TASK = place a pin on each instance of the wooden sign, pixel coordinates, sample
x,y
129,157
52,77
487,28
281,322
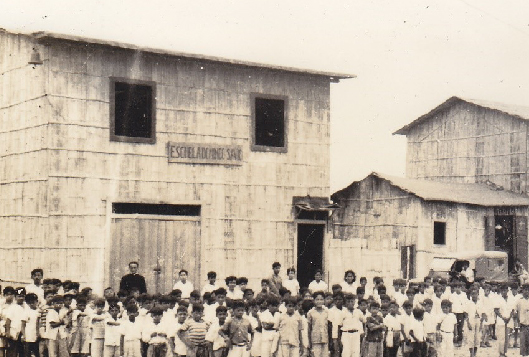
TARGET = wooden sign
x,y
193,153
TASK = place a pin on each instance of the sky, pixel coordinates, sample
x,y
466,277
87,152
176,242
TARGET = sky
x,y
408,56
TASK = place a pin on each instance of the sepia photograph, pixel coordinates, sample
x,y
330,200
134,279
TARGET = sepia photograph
x,y
264,178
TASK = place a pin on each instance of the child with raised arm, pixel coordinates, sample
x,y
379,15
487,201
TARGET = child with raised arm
x,y
113,343
318,319
238,332
155,335
417,335
179,346
97,327
216,343
375,329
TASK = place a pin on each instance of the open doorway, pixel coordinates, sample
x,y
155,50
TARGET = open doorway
x,y
504,236
310,251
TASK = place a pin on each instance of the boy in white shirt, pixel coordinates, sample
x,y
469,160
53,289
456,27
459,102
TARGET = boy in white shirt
x,y
417,335
459,301
212,284
130,333
474,321
14,314
446,327
430,326
291,284
216,343
318,284
393,333
185,286
179,346
504,314
55,329
30,323
113,346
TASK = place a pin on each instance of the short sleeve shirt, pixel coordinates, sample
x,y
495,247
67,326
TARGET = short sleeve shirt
x,y
318,322
289,328
31,319
238,330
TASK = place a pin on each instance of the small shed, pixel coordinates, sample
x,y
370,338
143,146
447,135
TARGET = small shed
x,y
394,226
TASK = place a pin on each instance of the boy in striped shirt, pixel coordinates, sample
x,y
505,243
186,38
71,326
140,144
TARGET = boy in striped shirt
x,y
196,329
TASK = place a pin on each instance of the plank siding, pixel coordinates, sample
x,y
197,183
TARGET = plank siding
x,y
246,217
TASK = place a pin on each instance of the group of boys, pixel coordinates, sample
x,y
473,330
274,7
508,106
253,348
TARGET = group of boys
x,y
51,319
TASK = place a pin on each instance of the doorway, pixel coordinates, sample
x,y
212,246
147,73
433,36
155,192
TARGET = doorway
x,y
310,251
504,236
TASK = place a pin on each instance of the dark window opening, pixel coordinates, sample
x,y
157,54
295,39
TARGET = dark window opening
x,y
312,215
269,123
439,233
132,112
156,209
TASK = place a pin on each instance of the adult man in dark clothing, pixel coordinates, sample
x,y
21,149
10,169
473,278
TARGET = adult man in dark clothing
x,y
133,280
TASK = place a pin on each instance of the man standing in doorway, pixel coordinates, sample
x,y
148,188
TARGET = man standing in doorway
x,y
133,280
275,280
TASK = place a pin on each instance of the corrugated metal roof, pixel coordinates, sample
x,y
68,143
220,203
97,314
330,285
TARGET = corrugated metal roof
x,y
47,36
518,111
467,193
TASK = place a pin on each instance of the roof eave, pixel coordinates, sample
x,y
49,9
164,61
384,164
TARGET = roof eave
x,y
45,37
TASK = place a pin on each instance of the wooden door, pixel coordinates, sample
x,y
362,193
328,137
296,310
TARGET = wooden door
x,y
161,246
521,249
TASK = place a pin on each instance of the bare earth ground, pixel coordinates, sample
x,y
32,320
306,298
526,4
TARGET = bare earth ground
x,y
486,352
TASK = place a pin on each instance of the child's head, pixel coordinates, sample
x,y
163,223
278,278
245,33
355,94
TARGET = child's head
x,y
328,299
318,275
100,305
197,312
374,308
393,308
306,294
20,295
181,314
113,310
290,304
57,302
276,267
306,305
360,292
427,304
48,296
248,294
32,300
273,304
446,306
194,297
239,308
291,272
418,314
336,288
362,305
37,275
350,301
264,284
384,309
525,291
338,299
156,314
381,289
319,299
132,311
220,295
222,313
177,293
9,294
363,281
212,277
183,274
231,282
408,307
82,301
349,277
242,282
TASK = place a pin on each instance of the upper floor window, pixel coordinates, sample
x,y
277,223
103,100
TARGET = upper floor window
x,y
269,123
132,111
439,233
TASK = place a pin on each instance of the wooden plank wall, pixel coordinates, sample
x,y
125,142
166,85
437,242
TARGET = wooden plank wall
x,y
467,143
247,210
374,220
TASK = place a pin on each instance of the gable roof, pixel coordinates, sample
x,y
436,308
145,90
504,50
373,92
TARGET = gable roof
x,y
518,111
465,193
50,36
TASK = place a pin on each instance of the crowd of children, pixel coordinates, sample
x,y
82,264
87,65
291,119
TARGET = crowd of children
x,y
50,318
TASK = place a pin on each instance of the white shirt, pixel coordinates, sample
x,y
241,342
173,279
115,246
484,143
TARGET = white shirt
x,y
315,286
37,290
236,294
112,332
458,302
179,345
131,331
186,288
348,288
16,313
292,286
31,319
418,330
214,337
208,288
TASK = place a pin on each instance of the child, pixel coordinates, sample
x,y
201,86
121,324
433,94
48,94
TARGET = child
x,y
290,330
36,287
80,337
351,323
446,327
348,285
130,333
318,319
97,326
196,329
417,335
430,327
113,346
49,294
30,326
14,316
237,332
503,316
253,317
55,330
242,283
406,321
374,332
291,284
233,293
263,294
185,286
459,301
522,309
212,285
488,309
217,345
317,284
269,321
335,316
154,334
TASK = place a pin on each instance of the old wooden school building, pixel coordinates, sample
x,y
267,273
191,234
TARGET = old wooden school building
x,y
111,153
466,189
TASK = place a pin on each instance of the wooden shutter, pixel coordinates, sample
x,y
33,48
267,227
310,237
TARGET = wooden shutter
x,y
413,252
404,262
520,240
